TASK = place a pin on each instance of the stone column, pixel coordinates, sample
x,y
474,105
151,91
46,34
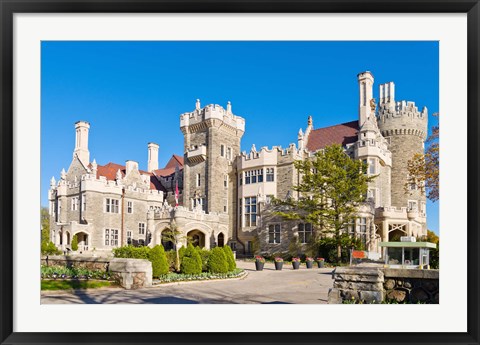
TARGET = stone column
x,y
385,231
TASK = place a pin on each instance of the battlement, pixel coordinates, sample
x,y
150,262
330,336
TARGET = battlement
x,y
403,118
89,182
212,111
398,213
267,156
168,212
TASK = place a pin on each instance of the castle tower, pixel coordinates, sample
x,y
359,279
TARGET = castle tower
x,y
81,142
365,83
405,129
371,147
211,142
152,157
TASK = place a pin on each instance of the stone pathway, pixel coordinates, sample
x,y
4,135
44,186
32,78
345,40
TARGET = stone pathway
x,y
268,287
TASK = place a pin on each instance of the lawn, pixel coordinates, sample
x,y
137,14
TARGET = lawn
x,y
75,284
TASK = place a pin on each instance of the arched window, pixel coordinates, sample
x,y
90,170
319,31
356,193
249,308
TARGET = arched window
x,y
221,240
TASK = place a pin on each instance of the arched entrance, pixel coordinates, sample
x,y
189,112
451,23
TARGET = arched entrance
x,y
82,238
60,238
197,238
221,240
166,240
68,238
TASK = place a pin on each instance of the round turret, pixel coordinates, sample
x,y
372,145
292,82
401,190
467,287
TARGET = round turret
x,y
405,129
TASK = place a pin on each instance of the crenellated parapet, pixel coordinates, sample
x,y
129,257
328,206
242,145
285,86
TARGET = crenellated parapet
x,y
268,156
402,118
89,183
210,116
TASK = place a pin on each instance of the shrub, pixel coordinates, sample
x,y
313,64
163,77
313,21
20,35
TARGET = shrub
x,y
131,252
75,243
181,253
191,261
159,261
217,263
49,248
230,259
204,255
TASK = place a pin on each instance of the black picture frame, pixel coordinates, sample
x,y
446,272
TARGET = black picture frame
x,y
9,7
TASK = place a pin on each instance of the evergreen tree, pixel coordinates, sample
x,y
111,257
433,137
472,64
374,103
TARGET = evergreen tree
x,y
332,187
74,243
159,261
217,263
230,258
191,261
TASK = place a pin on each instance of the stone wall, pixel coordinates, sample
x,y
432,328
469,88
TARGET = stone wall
x,y
91,263
376,285
129,273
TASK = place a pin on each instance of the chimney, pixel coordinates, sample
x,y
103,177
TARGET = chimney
x,y
387,94
81,142
152,157
365,83
130,166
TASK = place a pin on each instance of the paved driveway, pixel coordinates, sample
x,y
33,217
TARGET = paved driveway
x,y
267,286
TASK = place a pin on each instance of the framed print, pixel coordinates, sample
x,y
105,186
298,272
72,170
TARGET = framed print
x,y
255,172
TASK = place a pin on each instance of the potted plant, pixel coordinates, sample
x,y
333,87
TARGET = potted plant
x,y
309,262
259,262
320,262
296,263
278,263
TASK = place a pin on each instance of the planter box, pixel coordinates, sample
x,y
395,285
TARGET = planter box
x,y
278,266
259,265
296,265
309,264
321,264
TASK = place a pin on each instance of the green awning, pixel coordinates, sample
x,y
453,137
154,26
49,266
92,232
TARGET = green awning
x,y
408,245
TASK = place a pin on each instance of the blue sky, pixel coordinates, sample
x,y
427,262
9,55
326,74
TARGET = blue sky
x,y
132,93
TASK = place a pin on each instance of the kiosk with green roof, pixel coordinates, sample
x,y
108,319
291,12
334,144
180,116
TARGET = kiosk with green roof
x,y
407,253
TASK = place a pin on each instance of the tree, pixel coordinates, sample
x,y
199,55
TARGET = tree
x,y
176,237
47,246
217,262
230,259
159,261
332,187
191,261
423,168
75,243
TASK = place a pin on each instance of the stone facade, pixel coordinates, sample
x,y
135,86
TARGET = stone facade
x,y
217,195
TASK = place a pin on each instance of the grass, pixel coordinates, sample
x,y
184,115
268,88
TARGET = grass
x,y
49,285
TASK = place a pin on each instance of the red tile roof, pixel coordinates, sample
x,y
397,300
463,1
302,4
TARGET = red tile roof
x,y
110,172
344,133
171,166
174,161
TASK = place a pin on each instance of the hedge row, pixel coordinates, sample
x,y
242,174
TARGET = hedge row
x,y
193,260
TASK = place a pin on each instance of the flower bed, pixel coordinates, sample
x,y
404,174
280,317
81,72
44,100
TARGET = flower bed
x,y
61,272
176,277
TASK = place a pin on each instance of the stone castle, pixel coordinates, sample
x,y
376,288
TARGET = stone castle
x,y
217,195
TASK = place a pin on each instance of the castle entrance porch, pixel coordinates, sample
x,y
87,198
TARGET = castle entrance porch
x,y
82,238
197,238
